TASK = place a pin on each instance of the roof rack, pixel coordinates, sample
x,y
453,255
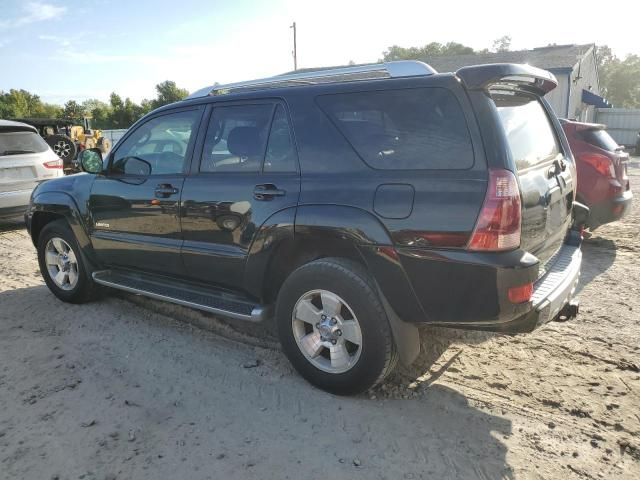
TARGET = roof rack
x,y
401,68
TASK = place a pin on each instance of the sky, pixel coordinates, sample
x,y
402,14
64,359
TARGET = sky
x,y
80,49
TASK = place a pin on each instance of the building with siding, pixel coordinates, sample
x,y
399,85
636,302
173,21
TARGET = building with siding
x,y
578,93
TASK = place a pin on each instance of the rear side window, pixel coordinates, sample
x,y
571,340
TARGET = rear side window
x,y
281,155
600,139
17,143
410,129
528,129
236,138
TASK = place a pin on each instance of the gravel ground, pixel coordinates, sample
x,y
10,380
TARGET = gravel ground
x,y
130,388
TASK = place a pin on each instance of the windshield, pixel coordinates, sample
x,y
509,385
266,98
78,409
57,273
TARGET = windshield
x,y
600,138
16,143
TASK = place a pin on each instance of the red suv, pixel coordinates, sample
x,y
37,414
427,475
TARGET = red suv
x,y
603,184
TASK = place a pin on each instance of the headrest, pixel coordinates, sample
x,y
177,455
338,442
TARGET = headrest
x,y
244,141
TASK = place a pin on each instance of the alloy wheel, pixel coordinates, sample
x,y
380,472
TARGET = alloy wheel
x,y
62,149
327,331
62,264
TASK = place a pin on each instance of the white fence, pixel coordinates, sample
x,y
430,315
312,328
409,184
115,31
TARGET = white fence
x,y
623,124
114,135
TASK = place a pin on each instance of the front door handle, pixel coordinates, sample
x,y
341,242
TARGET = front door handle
x,y
267,191
165,190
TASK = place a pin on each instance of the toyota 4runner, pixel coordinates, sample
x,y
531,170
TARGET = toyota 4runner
x,y
347,204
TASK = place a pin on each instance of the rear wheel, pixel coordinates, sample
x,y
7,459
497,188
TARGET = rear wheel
x,y
64,270
333,327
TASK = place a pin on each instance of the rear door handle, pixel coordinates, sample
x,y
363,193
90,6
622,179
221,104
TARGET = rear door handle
x,y
165,190
267,191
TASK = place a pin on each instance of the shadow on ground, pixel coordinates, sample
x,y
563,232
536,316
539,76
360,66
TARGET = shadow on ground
x,y
259,422
8,225
598,255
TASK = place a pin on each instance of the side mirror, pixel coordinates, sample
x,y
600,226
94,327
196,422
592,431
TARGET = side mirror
x,y
90,160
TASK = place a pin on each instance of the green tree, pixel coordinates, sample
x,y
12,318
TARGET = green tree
x,y
619,79
118,113
502,44
98,111
117,117
16,104
621,82
433,49
73,110
23,104
168,92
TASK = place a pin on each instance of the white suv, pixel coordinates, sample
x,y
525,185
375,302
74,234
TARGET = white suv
x,y
25,161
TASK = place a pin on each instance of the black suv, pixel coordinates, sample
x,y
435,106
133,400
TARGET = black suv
x,y
348,204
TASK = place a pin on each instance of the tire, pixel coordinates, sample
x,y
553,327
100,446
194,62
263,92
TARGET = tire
x,y
316,346
57,238
63,146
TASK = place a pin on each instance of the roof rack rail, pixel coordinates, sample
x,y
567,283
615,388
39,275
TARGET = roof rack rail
x,y
400,68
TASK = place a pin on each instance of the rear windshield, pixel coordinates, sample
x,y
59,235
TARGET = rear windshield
x,y
16,143
528,129
420,128
600,139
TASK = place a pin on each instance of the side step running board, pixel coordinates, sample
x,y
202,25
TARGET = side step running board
x,y
219,302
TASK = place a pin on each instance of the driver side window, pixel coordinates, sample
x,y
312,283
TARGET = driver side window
x,y
157,147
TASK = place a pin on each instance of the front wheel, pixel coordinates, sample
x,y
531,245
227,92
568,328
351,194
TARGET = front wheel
x,y
333,327
64,270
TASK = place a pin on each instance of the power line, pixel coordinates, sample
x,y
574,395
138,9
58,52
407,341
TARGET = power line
x,y
295,48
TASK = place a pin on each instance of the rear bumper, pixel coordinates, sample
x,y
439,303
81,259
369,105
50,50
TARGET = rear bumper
x,y
610,210
12,212
15,199
558,287
14,204
469,290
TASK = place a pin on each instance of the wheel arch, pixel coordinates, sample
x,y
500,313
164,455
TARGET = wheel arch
x,y
47,207
320,231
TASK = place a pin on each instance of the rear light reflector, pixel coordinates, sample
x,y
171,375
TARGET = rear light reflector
x,y
602,164
390,253
498,226
411,238
445,239
521,294
54,164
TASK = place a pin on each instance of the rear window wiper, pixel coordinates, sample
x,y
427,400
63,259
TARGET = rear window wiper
x,y
16,152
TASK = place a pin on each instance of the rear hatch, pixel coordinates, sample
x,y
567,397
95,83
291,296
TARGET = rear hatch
x,y
596,135
546,176
21,159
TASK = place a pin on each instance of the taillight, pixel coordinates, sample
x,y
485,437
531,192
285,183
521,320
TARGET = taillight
x,y
602,164
498,225
54,164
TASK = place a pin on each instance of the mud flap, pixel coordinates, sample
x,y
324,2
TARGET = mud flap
x,y
406,335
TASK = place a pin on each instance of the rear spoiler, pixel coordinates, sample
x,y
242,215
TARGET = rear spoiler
x,y
507,75
17,128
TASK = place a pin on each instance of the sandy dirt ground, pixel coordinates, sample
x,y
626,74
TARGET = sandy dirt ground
x,y
128,388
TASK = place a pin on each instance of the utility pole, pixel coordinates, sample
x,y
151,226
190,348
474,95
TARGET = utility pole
x,y
295,49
